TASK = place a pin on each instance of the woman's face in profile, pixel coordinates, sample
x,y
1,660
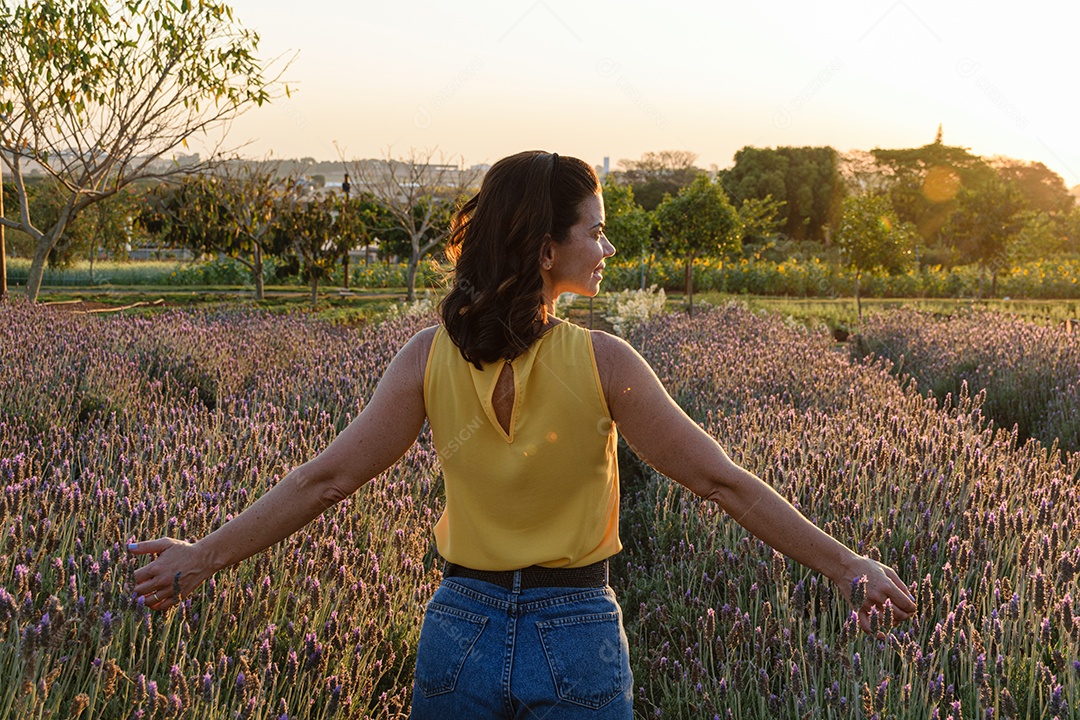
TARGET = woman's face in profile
x,y
577,262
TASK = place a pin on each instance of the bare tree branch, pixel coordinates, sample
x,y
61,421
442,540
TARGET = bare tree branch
x,y
419,191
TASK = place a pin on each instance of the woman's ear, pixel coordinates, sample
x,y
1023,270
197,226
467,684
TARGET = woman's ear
x,y
547,253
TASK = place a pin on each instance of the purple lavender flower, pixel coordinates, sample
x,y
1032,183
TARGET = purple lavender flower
x,y
858,591
1058,704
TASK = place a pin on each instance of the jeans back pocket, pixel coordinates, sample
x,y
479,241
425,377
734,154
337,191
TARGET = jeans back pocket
x,y
588,656
446,639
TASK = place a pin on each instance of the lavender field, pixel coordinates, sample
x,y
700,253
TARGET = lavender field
x,y
122,428
1029,374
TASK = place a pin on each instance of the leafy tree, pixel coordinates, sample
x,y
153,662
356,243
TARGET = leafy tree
x,y
699,221
986,219
924,182
871,236
229,211
420,196
806,179
760,220
1039,235
1071,230
316,234
187,214
628,225
105,226
658,174
1042,188
97,93
395,238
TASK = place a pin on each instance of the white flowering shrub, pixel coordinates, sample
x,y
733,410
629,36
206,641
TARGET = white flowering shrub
x,y
563,303
627,308
422,306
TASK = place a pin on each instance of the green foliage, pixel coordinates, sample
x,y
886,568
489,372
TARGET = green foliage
x,y
761,221
627,225
394,236
699,221
806,179
871,236
1071,230
123,82
105,227
384,275
924,182
1042,188
224,271
1039,235
188,214
316,234
985,221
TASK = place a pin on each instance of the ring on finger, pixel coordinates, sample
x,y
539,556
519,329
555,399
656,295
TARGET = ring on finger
x,y
156,598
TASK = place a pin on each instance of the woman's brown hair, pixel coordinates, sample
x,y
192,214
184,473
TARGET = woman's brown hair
x,y
495,309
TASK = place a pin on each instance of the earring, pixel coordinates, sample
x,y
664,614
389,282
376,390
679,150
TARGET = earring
x,y
547,265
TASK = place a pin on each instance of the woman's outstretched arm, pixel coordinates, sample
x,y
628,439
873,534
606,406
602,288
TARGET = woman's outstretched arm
x,y
375,440
665,437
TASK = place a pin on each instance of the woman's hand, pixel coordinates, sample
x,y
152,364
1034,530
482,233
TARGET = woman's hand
x,y
173,575
867,584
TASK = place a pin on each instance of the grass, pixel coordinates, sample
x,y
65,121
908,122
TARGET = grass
x,y
110,272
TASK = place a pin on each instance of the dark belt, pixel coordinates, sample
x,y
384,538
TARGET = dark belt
x,y
535,576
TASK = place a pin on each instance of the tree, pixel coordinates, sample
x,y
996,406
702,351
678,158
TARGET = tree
x,y
871,236
1071,229
699,221
1042,188
760,221
806,179
628,225
419,195
317,234
986,219
98,93
1039,235
657,174
229,211
105,226
924,182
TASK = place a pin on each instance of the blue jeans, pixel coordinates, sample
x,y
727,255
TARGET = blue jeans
x,y
488,652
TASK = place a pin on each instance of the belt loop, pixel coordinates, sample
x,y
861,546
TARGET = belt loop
x,y
517,582
607,573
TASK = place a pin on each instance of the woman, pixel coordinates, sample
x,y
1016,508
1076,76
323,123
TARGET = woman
x,y
523,410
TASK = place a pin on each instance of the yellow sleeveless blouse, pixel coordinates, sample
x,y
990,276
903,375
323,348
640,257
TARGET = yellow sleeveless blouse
x,y
547,492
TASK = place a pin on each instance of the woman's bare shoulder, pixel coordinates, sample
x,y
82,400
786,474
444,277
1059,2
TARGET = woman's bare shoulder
x,y
614,356
426,336
610,348
420,347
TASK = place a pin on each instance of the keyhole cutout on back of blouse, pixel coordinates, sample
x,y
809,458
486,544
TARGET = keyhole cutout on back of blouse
x,y
502,400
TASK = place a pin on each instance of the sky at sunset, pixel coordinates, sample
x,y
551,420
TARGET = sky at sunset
x,y
595,78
